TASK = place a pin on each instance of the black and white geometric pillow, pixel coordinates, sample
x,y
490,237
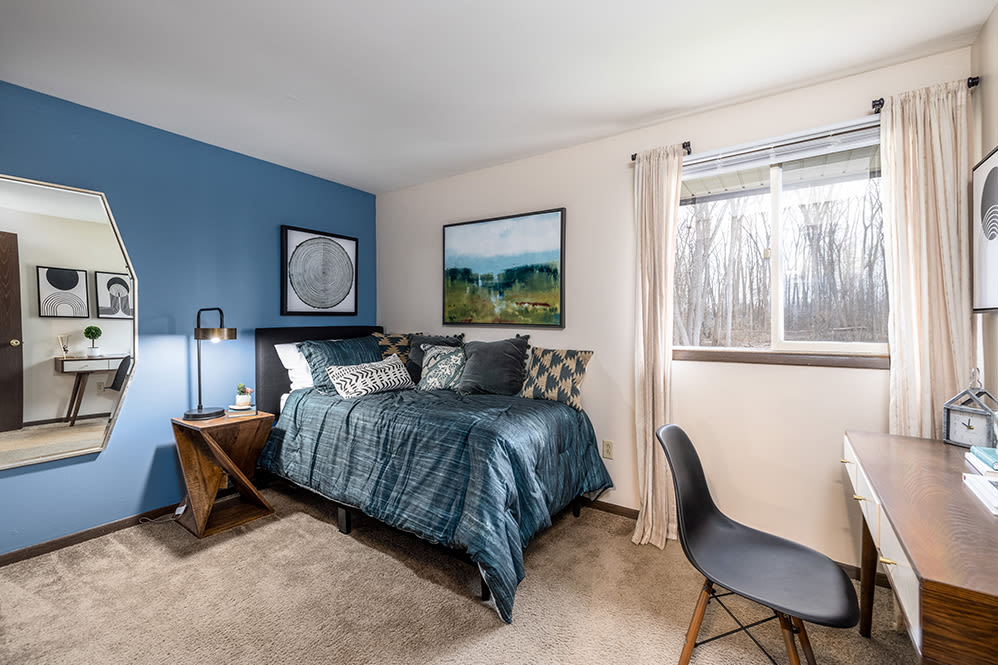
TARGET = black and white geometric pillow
x,y
556,374
370,378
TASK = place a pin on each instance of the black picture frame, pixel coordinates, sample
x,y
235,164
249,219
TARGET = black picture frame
x,y
63,293
984,233
114,295
318,273
505,271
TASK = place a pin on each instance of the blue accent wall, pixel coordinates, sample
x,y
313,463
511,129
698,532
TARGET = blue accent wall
x,y
202,229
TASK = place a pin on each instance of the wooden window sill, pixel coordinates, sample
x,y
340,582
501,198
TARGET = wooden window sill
x,y
781,358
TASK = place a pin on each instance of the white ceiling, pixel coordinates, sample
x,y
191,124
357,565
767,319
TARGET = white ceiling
x,y
52,201
383,94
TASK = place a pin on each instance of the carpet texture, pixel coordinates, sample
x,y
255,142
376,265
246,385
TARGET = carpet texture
x,y
290,588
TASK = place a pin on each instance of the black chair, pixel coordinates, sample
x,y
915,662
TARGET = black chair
x,y
798,583
119,376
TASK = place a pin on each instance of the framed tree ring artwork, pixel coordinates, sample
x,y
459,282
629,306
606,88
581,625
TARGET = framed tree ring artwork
x,y
506,271
984,230
318,272
62,292
114,295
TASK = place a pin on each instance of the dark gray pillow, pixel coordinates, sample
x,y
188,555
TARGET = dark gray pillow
x,y
415,361
497,368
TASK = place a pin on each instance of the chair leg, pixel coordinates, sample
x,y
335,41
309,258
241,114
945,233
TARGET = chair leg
x,y
694,630
805,643
788,638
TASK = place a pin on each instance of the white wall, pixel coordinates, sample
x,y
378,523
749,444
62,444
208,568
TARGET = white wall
x,y
63,243
770,436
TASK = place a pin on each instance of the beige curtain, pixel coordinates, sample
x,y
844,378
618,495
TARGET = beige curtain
x,y
657,176
925,146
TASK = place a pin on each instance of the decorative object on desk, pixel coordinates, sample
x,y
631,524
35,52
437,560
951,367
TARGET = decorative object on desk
x,y
93,333
985,232
114,295
318,272
987,455
213,335
969,418
235,412
62,292
984,489
64,344
981,464
244,395
506,271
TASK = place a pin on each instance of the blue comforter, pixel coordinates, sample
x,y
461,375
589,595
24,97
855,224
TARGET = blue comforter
x,y
481,473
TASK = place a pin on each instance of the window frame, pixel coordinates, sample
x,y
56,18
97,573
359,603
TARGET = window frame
x,y
780,150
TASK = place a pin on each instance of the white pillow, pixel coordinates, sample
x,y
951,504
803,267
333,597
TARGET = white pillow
x,y
294,361
370,378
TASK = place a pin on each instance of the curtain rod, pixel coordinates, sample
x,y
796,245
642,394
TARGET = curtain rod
x,y
686,147
878,104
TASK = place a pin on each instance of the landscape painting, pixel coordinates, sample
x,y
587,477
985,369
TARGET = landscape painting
x,y
506,271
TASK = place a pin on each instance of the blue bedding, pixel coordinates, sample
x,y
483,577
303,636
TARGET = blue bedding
x,y
480,473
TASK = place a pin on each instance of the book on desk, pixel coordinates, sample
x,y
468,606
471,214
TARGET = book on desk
x,y
233,412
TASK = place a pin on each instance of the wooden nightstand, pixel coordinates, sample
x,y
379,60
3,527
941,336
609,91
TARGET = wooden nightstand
x,y
210,449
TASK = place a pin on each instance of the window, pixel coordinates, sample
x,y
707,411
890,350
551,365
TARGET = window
x,y
781,246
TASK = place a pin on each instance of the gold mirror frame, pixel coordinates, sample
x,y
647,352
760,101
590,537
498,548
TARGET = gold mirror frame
x,y
11,460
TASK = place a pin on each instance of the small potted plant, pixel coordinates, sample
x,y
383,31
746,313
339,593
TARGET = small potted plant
x,y
93,333
244,395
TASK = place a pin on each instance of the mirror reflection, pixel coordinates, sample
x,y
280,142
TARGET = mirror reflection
x,y
67,322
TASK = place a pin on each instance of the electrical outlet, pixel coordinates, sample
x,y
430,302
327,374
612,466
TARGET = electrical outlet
x,y
100,386
608,448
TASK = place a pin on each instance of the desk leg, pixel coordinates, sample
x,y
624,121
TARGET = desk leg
x,y
72,396
82,378
867,579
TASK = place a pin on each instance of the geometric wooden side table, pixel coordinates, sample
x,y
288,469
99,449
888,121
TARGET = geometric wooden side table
x,y
210,449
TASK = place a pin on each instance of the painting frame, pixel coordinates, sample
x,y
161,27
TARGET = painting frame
x,y
984,234
319,273
515,262
103,293
58,289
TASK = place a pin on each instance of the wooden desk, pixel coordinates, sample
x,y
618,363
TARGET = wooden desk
x,y
941,544
208,450
83,367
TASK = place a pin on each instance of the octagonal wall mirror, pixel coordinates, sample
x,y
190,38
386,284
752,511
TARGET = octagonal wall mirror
x,y
68,326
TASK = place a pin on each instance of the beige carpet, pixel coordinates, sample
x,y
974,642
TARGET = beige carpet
x,y
290,589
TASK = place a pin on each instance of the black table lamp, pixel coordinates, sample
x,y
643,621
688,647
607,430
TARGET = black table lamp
x,y
214,335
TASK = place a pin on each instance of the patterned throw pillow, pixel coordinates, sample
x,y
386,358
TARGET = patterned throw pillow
x,y
556,374
442,367
394,343
369,378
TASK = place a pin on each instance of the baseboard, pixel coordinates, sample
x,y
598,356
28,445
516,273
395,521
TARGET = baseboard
x,y
615,509
853,573
50,421
79,537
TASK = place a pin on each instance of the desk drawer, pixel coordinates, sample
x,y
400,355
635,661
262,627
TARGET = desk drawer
x,y
903,580
862,492
88,365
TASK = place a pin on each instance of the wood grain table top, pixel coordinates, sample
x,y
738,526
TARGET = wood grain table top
x,y
948,534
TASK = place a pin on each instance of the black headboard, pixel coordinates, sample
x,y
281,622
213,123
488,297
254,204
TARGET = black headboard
x,y
271,378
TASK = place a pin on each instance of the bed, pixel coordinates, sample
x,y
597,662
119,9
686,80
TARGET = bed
x,y
477,473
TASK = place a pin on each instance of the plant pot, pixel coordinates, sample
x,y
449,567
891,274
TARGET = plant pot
x,y
243,400
93,350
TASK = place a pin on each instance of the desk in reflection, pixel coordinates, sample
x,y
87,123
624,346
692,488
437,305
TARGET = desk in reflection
x,y
83,367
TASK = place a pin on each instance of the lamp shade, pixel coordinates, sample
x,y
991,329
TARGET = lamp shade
x,y
214,334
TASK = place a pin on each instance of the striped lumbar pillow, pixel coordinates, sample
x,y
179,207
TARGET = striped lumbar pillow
x,y
370,378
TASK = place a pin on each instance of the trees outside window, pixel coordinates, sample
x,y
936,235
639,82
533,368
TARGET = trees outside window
x,y
824,290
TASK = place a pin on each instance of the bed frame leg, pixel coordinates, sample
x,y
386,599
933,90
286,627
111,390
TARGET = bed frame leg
x,y
486,592
577,506
343,519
